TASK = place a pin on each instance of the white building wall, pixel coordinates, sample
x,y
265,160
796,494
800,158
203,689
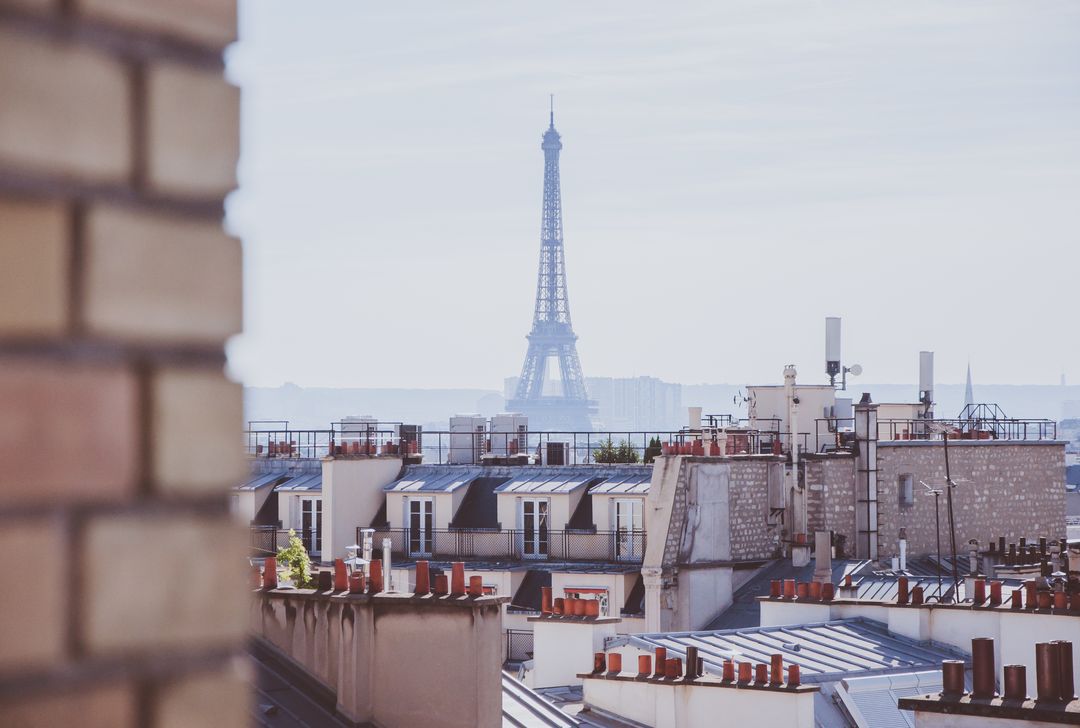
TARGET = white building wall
x,y
769,402
661,705
564,648
352,495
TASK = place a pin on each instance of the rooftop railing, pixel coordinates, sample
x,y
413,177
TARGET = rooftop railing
x,y
541,448
833,433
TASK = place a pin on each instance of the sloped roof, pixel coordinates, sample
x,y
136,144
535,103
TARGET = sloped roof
x,y
632,483
873,699
526,708
434,478
302,481
549,480
262,480
824,651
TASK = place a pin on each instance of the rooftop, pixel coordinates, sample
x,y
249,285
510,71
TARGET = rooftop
x,y
824,651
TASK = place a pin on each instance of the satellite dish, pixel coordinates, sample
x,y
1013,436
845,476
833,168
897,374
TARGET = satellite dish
x,y
855,370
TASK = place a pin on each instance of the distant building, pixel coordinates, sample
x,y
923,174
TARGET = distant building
x,y
634,404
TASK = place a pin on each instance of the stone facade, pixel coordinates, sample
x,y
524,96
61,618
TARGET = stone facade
x,y
1009,489
118,289
830,502
748,513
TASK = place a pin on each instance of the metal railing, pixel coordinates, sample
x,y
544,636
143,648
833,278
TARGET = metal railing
x,y
513,544
519,645
836,432
267,540
539,448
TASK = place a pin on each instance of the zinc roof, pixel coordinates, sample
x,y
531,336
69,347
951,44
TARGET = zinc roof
x,y
434,478
624,484
549,480
824,651
262,480
303,481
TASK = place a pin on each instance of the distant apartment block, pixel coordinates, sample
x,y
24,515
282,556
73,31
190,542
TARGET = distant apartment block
x,y
634,404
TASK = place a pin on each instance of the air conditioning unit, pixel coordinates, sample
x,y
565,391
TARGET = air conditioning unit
x,y
557,453
468,434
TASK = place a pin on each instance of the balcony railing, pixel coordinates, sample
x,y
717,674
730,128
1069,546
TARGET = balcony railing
x,y
267,540
513,545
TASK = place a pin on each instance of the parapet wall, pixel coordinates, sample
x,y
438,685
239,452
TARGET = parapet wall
x,y
392,660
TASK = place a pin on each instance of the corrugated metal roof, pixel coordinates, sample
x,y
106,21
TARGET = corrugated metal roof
x,y
262,480
824,651
434,478
554,480
624,484
524,707
303,481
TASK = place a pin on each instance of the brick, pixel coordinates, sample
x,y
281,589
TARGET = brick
x,y
35,5
193,127
68,433
72,118
32,614
158,582
160,278
209,22
197,419
34,274
209,700
109,706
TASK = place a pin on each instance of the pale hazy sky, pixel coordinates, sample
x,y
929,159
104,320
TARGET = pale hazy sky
x,y
732,173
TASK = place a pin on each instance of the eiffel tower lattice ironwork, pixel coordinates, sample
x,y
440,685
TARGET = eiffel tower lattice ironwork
x,y
552,338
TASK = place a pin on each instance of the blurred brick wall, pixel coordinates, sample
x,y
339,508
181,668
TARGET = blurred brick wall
x,y
122,600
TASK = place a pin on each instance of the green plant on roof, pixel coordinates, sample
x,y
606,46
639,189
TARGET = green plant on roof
x,y
609,453
653,450
295,556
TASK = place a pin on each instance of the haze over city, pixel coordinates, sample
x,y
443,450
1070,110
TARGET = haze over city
x,y
728,172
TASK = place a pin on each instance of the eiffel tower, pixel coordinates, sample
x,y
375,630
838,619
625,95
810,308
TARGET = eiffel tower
x,y
563,404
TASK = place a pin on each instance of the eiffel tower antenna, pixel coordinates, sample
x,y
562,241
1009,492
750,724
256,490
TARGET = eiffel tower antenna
x,y
552,338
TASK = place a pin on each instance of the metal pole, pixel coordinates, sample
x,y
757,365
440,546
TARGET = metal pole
x,y
937,525
952,522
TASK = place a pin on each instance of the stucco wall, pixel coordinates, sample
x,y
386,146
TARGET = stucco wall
x,y
563,648
372,652
352,495
1003,489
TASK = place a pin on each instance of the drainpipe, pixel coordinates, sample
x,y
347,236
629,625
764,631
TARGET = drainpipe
x,y
654,582
387,564
866,513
